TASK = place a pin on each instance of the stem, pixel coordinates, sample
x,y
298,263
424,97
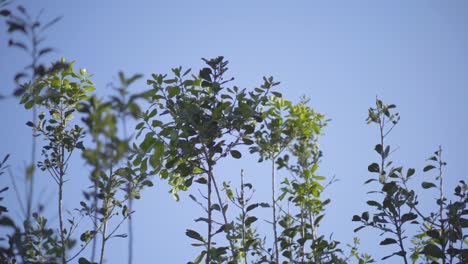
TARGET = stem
x,y
400,243
103,243
30,193
95,194
130,231
221,204
208,253
130,198
382,164
290,240
95,204
60,204
273,198
61,182
106,215
302,235
397,220
243,216
314,236
442,239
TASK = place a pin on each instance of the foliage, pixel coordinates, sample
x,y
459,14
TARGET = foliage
x,y
303,191
59,93
187,124
31,35
244,233
113,180
441,238
206,122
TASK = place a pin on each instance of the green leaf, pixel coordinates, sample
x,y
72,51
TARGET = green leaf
x,y
56,82
247,141
408,217
201,180
250,220
386,152
433,251
318,219
193,234
88,235
5,221
236,154
277,94
5,12
173,91
374,203
378,149
140,125
433,234
365,216
216,207
428,168
410,172
370,180
427,185
89,88
388,241
29,104
83,261
80,146
200,257
359,228
147,183
374,167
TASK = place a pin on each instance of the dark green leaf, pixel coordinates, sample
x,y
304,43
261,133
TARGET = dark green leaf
x,y
365,216
319,218
250,220
5,12
251,207
83,261
433,251
80,145
359,228
236,154
428,168
5,221
201,180
378,149
433,233
276,94
408,217
374,167
374,203
410,172
427,185
388,241
194,235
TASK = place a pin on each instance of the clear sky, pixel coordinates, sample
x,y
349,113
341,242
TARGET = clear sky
x,y
341,54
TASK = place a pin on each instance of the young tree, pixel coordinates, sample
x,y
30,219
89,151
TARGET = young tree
x,y
441,230
200,122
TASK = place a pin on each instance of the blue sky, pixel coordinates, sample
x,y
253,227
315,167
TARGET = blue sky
x,y
341,54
